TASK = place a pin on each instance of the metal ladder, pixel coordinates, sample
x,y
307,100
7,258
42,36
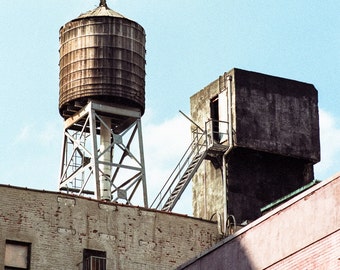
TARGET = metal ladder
x,y
182,174
203,146
183,182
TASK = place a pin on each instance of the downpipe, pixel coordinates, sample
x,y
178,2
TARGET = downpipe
x,y
225,154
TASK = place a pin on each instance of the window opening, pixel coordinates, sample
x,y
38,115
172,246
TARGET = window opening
x,y
214,118
17,255
94,260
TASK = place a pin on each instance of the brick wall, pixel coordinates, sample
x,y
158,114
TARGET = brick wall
x,y
59,227
323,254
303,233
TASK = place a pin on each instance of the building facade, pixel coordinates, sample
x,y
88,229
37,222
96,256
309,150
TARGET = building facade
x,y
50,230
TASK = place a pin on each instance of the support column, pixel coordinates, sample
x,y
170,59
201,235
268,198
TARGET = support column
x,y
105,159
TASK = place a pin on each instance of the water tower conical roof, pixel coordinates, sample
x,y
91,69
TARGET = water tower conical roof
x,y
101,11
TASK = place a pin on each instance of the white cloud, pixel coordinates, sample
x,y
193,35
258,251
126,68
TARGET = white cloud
x,y
164,146
24,134
50,133
44,134
330,146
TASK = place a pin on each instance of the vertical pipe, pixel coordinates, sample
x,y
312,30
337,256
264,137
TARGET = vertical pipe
x,y
230,118
224,169
105,159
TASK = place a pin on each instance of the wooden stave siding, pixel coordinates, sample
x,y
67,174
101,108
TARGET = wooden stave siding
x,y
102,58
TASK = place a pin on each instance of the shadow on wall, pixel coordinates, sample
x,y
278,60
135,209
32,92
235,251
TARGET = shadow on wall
x,y
216,259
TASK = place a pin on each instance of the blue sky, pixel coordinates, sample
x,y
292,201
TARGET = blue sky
x,y
189,44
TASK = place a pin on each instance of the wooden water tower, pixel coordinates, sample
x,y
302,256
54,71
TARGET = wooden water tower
x,y
102,99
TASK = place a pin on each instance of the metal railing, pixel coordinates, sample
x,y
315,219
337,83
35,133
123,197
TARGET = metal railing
x,y
217,131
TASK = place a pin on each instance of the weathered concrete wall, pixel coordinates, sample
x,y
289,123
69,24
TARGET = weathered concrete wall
x,y
200,102
276,115
207,185
256,179
303,233
207,192
276,141
61,226
270,114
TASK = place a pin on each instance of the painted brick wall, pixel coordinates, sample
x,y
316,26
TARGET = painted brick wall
x,y
61,226
323,254
303,233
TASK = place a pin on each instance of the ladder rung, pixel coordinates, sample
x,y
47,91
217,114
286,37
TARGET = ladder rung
x,y
192,166
182,180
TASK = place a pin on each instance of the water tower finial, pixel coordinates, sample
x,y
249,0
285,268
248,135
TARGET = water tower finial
x,y
103,3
